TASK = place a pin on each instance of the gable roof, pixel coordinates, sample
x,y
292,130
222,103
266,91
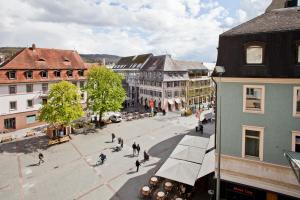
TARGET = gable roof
x,y
42,58
132,62
285,19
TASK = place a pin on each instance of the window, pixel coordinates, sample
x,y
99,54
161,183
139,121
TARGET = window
x,y
69,73
81,84
30,119
44,101
255,53
13,105
252,144
176,83
169,84
176,94
81,72
296,102
298,51
12,89
82,96
44,74
12,74
182,83
45,87
169,93
10,123
29,103
253,99
29,88
296,141
57,73
74,83
29,74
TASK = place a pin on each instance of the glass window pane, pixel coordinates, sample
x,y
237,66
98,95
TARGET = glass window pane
x,y
298,101
252,133
30,119
253,98
254,55
252,147
299,52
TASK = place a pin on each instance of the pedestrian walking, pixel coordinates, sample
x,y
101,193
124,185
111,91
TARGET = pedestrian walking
x,y
138,148
41,156
134,148
137,164
113,136
122,142
146,156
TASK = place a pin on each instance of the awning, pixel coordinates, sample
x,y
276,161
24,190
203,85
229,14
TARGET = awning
x,y
179,170
188,153
294,161
178,101
170,101
194,141
208,164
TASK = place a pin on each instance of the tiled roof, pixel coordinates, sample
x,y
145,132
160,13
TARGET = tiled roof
x,y
132,62
42,58
190,65
155,63
285,19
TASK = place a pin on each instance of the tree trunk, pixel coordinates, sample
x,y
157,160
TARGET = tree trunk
x,y
100,119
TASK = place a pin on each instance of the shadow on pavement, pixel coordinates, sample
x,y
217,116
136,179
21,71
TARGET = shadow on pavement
x,y
162,150
29,145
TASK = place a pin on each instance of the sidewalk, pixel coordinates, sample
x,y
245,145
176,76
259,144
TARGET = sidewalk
x,y
37,130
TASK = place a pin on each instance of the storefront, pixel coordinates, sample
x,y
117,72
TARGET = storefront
x,y
234,191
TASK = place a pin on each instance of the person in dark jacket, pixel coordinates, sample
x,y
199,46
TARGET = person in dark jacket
x,y
137,164
41,157
134,148
113,136
146,156
138,148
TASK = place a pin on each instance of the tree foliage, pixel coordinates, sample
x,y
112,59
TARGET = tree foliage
x,y
104,90
63,105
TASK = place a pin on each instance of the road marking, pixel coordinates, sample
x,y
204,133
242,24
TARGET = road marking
x,y
20,178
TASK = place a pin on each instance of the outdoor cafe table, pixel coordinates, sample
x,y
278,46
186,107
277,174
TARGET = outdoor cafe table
x,y
153,180
160,195
146,191
168,186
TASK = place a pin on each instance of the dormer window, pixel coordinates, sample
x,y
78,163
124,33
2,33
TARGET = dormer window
x,y
81,72
12,75
254,53
44,74
66,59
57,73
70,73
29,74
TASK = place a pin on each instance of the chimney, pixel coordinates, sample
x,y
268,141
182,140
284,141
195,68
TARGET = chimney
x,y
33,47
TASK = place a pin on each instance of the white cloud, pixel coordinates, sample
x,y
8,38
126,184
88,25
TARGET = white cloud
x,y
184,28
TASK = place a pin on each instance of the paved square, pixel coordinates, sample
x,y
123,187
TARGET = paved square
x,y
70,170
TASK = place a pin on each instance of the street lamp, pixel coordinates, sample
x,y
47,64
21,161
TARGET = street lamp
x,y
219,71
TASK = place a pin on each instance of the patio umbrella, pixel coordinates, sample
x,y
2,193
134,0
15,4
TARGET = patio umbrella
x,y
194,141
179,170
188,153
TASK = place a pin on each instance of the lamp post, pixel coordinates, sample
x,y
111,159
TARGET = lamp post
x,y
219,70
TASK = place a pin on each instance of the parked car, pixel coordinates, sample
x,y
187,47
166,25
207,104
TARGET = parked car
x,y
115,118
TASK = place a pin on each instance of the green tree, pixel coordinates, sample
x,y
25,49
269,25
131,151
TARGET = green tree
x,y
63,105
104,90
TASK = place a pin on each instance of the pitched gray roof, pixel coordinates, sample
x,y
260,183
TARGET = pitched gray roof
x,y
285,19
132,62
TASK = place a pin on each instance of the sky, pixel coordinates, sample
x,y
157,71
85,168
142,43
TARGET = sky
x,y
185,29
